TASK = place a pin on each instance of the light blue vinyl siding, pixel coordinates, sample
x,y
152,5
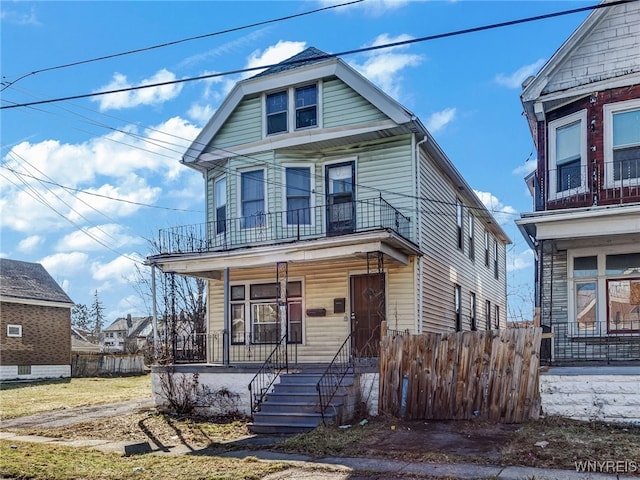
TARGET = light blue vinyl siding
x,y
341,105
243,126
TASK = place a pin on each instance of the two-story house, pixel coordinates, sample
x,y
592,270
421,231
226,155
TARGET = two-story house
x,y
331,208
583,110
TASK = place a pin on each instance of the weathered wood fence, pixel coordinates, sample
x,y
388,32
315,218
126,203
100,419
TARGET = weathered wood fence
x,y
490,375
98,364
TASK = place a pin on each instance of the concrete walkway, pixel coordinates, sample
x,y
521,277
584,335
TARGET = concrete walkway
x,y
329,468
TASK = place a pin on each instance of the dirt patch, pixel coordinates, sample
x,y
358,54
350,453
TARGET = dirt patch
x,y
458,438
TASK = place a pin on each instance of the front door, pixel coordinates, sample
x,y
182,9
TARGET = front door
x,y
340,200
367,313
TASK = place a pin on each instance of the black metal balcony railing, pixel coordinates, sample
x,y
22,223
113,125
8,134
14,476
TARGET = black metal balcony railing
x,y
571,344
285,226
618,181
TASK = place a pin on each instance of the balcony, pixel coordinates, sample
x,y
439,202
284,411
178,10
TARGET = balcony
x,y
587,185
285,227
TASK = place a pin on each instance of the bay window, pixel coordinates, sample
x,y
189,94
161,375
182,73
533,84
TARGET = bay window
x,y
567,155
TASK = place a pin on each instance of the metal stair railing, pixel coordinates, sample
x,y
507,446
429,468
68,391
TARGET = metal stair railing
x,y
333,376
268,373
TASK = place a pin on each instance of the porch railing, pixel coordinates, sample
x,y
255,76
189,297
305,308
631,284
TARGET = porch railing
x,y
268,373
333,376
617,182
571,344
285,226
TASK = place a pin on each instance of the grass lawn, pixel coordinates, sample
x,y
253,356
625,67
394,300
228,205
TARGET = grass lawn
x,y
18,399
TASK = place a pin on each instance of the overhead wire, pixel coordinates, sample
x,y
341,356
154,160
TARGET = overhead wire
x,y
176,42
325,56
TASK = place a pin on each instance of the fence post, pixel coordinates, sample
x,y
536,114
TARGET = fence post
x,y
383,329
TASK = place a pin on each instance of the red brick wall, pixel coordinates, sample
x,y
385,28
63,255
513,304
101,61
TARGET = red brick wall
x,y
594,104
46,335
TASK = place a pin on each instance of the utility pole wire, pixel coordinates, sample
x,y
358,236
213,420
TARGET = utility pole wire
x,y
326,56
175,42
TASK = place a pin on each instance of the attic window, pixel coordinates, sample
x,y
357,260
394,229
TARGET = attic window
x,y
14,330
306,103
277,112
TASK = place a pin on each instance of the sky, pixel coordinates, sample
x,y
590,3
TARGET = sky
x,y
86,184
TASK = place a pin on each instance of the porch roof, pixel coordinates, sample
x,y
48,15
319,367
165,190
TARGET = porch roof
x,y
357,245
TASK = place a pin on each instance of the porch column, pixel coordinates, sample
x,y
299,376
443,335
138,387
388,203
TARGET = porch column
x,y
226,335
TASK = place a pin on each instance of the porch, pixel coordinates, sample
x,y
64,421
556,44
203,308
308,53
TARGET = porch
x,y
283,227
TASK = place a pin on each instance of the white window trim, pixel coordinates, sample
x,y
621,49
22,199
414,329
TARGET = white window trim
x,y
601,287
609,110
291,108
312,193
552,171
14,326
324,183
248,326
265,192
215,201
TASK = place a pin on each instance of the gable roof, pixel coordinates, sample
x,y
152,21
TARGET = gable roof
x,y
306,57
562,78
29,282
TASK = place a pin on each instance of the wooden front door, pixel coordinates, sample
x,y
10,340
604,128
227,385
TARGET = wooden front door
x,y
367,313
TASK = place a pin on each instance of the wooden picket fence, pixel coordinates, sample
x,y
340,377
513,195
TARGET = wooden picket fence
x,y
490,375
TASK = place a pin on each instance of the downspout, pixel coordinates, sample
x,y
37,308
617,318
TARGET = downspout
x,y
419,234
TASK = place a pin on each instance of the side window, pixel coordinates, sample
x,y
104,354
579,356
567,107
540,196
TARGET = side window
x,y
220,194
457,298
459,223
487,248
487,314
472,309
472,253
496,260
497,316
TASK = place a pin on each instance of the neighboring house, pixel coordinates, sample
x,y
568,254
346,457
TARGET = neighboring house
x,y
330,208
129,334
35,323
583,110
82,342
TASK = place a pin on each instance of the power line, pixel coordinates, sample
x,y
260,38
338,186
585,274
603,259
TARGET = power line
x,y
326,56
175,42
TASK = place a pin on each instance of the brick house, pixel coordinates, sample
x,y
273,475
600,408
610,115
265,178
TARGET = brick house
x,y
35,323
583,111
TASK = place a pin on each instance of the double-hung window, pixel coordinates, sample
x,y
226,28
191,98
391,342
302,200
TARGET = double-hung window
x,y
277,112
622,143
472,252
567,155
293,108
298,186
252,199
306,106
220,195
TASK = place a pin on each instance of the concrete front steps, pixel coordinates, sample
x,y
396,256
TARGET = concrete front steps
x,y
293,405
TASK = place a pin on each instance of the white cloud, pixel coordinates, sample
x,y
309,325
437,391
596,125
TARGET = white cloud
x,y
501,212
121,270
200,113
384,67
516,78
94,238
30,243
272,55
20,18
438,120
519,261
525,169
65,264
120,165
143,96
